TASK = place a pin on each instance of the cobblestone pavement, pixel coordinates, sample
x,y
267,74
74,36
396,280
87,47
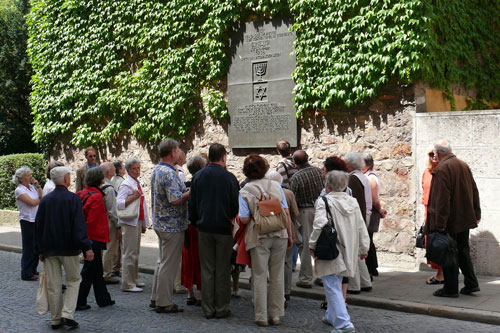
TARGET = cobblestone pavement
x,y
132,314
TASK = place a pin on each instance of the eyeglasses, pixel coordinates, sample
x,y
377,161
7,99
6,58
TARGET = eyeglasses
x,y
431,154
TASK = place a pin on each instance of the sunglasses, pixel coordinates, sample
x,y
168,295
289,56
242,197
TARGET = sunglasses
x,y
431,154
91,155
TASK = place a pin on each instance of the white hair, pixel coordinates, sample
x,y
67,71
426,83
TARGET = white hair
x,y
58,173
354,160
442,147
130,162
337,180
274,175
20,174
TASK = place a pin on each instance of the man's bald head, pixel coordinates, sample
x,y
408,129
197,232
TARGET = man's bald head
x,y
300,158
108,169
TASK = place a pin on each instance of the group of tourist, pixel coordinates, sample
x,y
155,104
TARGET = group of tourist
x,y
210,223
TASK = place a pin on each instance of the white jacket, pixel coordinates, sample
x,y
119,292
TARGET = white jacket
x,y
352,235
127,188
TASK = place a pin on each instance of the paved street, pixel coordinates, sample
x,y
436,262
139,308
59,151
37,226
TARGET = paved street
x,y
132,314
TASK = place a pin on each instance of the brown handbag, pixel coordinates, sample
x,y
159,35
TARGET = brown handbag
x,y
270,215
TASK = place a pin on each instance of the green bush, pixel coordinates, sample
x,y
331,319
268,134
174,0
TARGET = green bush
x,y
8,166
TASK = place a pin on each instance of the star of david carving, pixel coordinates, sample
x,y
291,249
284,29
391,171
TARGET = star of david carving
x,y
261,93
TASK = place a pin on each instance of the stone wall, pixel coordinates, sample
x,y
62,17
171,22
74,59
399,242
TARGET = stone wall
x,y
473,136
383,127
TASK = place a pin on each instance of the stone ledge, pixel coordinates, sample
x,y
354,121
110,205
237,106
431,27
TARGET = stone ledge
x,y
9,217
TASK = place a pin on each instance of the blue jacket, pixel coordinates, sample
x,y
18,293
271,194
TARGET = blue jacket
x,y
60,228
213,199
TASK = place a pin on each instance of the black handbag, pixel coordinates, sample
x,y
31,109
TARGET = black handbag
x,y
420,239
326,246
442,249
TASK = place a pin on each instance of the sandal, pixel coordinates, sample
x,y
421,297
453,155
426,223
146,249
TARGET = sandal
x,y
433,280
324,305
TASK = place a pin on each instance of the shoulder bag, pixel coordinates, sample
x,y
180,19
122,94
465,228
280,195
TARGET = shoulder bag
x,y
270,215
326,246
130,212
420,238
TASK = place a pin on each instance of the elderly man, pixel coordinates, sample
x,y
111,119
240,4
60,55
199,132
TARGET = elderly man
x,y
115,232
90,155
360,187
61,235
454,207
213,203
306,184
286,167
168,202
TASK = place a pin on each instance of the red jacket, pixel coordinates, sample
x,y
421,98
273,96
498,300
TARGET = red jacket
x,y
95,214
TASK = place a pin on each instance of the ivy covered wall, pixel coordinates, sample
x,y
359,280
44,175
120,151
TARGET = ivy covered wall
x,y
146,68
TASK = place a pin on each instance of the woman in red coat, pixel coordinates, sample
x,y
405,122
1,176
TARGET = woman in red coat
x,y
98,231
432,162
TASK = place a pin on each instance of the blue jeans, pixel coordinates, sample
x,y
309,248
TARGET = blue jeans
x,y
337,312
29,259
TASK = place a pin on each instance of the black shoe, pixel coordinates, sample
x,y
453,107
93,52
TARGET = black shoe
x,y
152,304
442,293
110,302
354,292
56,327
223,314
63,287
469,291
366,289
82,307
69,322
318,282
287,297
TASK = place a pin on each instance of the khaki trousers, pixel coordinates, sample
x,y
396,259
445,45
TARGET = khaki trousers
x,y
170,254
306,219
131,246
288,270
215,261
361,277
268,257
59,308
111,253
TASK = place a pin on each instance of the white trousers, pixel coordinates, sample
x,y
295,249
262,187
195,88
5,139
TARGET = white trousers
x,y
337,312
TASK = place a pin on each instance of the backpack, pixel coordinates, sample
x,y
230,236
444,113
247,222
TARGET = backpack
x,y
270,216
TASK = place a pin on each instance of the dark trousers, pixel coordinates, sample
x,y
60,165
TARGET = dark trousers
x,y
215,261
92,275
464,263
29,259
372,261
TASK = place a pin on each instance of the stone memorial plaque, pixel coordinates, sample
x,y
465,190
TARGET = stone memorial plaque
x,y
260,85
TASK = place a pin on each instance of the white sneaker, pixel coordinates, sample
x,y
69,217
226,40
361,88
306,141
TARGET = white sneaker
x,y
140,284
133,290
325,320
347,329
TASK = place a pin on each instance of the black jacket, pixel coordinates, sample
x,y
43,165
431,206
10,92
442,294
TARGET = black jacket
x,y
60,228
213,199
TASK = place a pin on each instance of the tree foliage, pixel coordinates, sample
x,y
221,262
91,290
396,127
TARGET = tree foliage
x,y
107,68
15,74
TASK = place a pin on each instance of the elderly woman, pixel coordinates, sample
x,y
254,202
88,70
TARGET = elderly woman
x,y
352,241
96,218
28,194
191,270
431,162
129,192
267,251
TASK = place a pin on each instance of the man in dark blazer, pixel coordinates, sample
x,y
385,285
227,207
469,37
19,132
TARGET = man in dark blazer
x,y
454,207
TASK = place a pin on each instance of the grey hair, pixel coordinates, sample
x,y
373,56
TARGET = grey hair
x,y
167,146
130,161
354,160
337,180
196,163
58,173
20,174
368,159
94,177
274,175
442,147
52,165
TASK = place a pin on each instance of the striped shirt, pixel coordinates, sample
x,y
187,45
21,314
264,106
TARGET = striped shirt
x,y
286,169
307,184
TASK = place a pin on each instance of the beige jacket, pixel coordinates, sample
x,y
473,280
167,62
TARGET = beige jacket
x,y
352,236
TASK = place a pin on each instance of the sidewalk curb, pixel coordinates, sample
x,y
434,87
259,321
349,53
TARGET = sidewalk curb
x,y
486,317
